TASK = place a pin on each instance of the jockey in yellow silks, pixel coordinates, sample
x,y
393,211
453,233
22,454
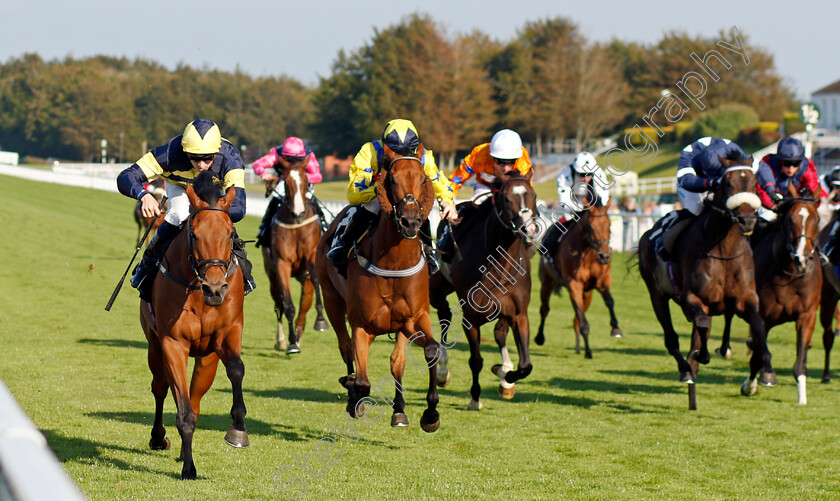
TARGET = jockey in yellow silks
x,y
401,137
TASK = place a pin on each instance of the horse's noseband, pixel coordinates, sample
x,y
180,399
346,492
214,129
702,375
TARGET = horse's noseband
x,y
209,263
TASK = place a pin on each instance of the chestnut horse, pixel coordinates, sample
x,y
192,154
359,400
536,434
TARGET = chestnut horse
x,y
387,287
581,264
295,231
196,310
788,278
712,273
492,279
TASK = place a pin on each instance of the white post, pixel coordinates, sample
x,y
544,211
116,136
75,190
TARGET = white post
x,y
104,145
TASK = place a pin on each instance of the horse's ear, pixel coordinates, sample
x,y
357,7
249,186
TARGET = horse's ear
x,y
382,195
530,174
227,201
388,156
195,201
421,150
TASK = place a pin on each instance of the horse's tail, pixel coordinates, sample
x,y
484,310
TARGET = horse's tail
x,y
633,261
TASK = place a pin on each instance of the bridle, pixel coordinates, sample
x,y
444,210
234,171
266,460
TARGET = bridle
x,y
399,207
196,265
499,208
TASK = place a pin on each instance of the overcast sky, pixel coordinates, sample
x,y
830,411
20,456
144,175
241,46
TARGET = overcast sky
x,y
302,38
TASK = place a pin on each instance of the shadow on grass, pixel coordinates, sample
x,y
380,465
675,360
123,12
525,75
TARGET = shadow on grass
x,y
208,422
304,394
83,451
612,386
115,343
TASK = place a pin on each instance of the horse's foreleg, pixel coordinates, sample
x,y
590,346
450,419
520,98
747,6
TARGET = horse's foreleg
x,y
672,340
432,351
610,302
280,343
521,335
828,305
476,363
576,296
237,434
546,288
361,385
724,351
306,294
176,355
284,278
506,388
804,330
160,388
203,374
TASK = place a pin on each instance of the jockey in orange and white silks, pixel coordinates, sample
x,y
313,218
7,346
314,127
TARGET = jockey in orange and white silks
x,y
401,137
200,148
503,153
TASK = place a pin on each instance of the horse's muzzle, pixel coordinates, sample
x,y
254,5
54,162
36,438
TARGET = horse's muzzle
x,y
214,294
409,227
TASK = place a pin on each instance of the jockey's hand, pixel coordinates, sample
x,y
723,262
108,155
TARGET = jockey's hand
x,y
713,184
266,176
449,212
149,206
775,196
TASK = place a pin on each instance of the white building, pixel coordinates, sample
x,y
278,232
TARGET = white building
x,y
827,100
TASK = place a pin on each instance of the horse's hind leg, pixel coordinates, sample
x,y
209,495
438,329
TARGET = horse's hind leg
x,y
476,363
576,295
761,357
160,387
306,294
804,330
336,309
399,418
610,302
724,351
828,305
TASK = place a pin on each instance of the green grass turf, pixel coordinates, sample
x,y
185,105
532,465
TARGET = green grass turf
x,y
614,427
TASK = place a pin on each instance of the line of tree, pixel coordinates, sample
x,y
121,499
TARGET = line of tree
x,y
548,82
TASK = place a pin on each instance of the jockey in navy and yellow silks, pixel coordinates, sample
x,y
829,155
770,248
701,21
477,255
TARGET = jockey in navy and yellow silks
x,y
201,147
401,137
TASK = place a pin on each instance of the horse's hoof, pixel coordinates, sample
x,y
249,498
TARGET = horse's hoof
x,y
767,378
430,421
356,410
507,393
292,349
686,377
748,389
475,405
443,382
588,355
237,438
726,355
399,420
540,339
616,333
280,346
188,472
826,379
321,325
164,446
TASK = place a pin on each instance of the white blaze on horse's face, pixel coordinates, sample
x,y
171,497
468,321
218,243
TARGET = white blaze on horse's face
x,y
524,212
298,206
800,247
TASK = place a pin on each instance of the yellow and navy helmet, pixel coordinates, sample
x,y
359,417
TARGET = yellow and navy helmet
x,y
401,136
201,137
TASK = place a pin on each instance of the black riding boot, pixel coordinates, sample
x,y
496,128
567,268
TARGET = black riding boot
x,y
830,247
322,220
675,221
145,272
264,233
359,222
428,248
244,262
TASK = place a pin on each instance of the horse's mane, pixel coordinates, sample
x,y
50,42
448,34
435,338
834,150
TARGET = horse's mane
x,y
207,188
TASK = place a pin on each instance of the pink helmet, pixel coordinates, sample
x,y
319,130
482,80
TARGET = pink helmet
x,y
293,147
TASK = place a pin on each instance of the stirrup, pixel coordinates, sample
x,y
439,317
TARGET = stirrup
x,y
337,251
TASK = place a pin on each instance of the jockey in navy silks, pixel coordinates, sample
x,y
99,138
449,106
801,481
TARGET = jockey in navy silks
x,y
698,173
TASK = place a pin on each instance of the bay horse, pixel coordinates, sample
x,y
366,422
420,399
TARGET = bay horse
x,y
386,289
492,280
581,264
712,273
196,311
295,231
788,278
